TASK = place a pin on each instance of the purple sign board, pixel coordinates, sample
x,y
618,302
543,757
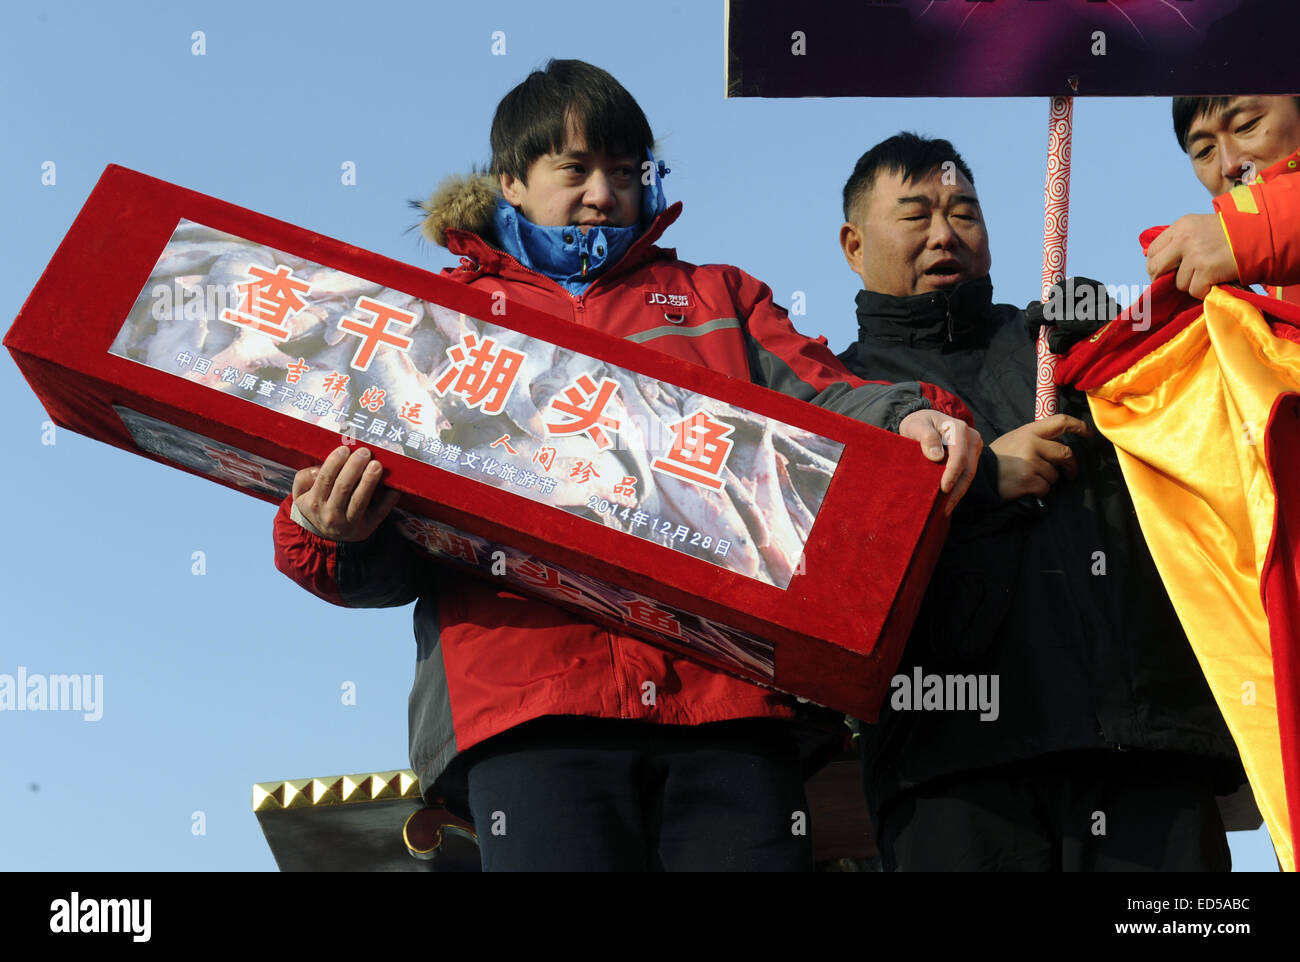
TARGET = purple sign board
x,y
1011,48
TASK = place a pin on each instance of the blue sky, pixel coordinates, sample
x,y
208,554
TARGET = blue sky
x,y
215,682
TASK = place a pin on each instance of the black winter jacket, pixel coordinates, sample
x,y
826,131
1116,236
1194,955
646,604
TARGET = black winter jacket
x,y
1060,600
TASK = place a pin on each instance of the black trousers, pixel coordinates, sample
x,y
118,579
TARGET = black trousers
x,y
565,793
1081,811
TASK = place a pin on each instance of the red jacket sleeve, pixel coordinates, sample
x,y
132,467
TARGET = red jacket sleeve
x,y
1262,222
380,572
784,360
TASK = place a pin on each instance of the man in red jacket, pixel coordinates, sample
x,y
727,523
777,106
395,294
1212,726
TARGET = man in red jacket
x,y
527,718
1241,148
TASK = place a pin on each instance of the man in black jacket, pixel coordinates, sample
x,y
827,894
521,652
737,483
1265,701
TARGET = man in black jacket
x,y
1049,713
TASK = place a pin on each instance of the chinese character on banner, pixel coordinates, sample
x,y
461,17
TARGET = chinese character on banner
x,y
336,383
481,373
444,542
505,440
268,300
586,420
372,398
296,370
410,412
627,486
699,450
545,456
584,471
234,467
649,616
537,575
376,332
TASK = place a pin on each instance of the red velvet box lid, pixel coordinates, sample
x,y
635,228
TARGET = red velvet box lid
x,y
825,619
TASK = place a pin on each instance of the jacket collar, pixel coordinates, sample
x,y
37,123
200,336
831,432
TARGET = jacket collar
x,y
571,257
958,317
486,257
1287,165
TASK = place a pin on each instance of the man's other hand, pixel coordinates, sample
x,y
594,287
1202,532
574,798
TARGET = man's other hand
x,y
1197,248
935,432
1030,462
336,497
1076,309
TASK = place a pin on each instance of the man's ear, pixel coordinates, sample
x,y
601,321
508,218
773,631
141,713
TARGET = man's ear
x,y
851,244
512,189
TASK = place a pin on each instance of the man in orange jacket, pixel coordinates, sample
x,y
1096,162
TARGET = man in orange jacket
x,y
1241,148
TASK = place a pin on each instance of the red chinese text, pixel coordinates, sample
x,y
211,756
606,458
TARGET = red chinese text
x,y
699,450
481,373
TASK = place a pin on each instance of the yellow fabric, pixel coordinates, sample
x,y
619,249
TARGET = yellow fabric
x,y
1231,250
1188,421
1244,199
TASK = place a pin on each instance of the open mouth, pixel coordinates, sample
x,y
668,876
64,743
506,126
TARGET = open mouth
x,y
945,272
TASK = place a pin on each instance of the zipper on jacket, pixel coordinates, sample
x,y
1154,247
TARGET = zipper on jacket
x,y
620,683
577,298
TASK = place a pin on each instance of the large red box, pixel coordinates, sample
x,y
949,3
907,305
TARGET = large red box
x,y
822,614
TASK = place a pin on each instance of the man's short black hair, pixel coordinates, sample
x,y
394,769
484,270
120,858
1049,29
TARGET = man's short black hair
x,y
533,119
1187,110
904,153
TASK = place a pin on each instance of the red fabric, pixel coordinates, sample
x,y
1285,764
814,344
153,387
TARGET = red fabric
x,y
1165,311
1280,589
306,558
1112,350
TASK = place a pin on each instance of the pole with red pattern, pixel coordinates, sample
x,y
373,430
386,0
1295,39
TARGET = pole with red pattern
x,y
1056,219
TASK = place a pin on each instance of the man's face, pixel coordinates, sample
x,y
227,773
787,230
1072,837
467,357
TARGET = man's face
x,y
918,236
1247,137
578,187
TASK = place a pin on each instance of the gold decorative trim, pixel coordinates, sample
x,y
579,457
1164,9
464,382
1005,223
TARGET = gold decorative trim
x,y
335,790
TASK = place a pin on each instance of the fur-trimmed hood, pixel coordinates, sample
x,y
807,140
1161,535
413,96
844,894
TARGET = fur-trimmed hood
x,y
469,202
461,203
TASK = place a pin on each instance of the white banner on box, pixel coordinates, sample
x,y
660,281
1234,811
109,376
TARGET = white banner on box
x,y
403,375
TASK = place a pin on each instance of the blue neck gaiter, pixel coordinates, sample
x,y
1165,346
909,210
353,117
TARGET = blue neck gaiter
x,y
567,255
